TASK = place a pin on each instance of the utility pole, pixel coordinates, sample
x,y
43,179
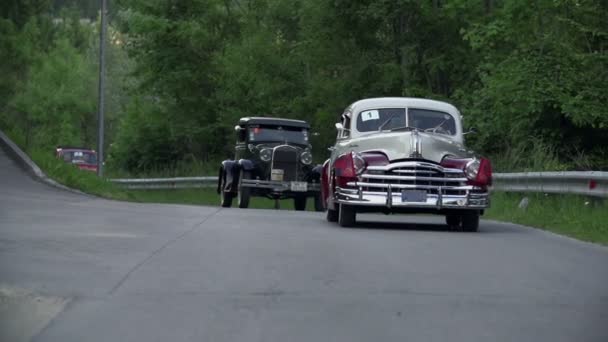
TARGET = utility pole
x,y
102,81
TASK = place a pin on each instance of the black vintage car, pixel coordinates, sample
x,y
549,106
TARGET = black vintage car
x,y
273,158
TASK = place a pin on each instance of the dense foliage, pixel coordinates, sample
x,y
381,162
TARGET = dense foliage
x,y
48,92
530,76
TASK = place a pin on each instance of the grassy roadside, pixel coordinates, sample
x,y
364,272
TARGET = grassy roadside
x,y
575,216
88,182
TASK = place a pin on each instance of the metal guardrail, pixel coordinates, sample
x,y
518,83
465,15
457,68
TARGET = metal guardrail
x,y
591,183
166,183
588,183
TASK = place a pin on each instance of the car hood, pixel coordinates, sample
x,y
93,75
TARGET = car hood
x,y
410,144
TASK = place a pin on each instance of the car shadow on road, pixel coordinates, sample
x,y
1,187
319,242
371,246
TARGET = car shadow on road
x,y
432,227
484,228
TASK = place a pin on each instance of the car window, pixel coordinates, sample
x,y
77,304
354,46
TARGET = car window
x,y
372,119
264,133
431,121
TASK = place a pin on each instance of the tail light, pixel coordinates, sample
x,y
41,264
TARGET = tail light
x,y
347,167
477,171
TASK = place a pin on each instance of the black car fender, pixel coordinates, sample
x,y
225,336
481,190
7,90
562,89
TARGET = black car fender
x,y
246,165
228,174
315,173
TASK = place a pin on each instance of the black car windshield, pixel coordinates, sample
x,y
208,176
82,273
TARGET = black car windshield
x,y
392,118
80,157
263,133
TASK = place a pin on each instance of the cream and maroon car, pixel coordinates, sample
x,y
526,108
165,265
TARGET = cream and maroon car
x,y
404,155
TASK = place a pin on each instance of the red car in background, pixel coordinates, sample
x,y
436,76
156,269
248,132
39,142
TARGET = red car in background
x,y
83,158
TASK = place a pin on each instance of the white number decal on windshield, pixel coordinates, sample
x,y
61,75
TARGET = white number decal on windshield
x,y
370,115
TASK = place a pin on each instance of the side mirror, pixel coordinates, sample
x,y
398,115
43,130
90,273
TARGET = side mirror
x,y
238,128
315,134
471,131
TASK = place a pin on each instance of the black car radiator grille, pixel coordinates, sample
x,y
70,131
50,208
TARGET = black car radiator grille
x,y
286,158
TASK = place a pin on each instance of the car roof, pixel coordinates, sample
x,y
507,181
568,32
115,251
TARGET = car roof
x,y
259,120
399,102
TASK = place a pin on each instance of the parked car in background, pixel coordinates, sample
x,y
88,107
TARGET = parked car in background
x,y
273,159
83,158
404,155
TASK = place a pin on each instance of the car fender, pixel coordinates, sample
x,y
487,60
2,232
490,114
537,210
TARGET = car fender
x,y
325,186
246,164
315,173
229,174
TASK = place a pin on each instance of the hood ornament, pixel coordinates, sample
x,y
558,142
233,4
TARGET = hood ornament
x,y
415,142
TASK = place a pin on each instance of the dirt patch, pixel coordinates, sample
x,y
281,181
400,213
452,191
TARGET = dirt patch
x,y
24,314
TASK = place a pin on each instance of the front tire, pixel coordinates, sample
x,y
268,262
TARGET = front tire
x,y
225,197
319,202
347,216
244,192
453,221
299,203
332,215
470,222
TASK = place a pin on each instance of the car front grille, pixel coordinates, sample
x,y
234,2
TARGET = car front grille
x,y
414,175
285,158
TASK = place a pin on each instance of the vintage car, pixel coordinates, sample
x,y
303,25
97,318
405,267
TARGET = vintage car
x,y
83,158
273,158
404,155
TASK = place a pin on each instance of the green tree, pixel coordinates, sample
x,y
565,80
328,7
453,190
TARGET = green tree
x,y
56,104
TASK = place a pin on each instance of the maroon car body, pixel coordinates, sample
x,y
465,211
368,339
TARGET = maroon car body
x,y
83,158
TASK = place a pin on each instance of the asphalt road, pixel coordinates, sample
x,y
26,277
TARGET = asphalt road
x,y
145,272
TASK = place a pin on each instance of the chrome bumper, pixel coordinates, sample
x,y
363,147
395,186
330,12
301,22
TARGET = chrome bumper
x,y
475,197
277,186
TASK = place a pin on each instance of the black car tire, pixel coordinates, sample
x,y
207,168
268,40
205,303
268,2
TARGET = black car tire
x,y
470,221
332,215
244,192
319,202
453,221
299,202
347,216
225,197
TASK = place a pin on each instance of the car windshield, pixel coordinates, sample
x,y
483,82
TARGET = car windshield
x,y
395,118
80,157
431,121
383,118
295,135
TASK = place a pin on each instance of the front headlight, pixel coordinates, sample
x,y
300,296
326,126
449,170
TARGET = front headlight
x,y
266,154
472,168
306,158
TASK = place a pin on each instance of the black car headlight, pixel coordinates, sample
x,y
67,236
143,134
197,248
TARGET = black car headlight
x,y
306,158
266,154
